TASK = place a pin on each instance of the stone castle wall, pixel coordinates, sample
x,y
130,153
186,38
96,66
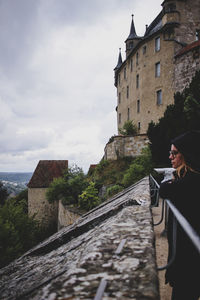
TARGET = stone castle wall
x,y
66,215
124,146
186,66
39,206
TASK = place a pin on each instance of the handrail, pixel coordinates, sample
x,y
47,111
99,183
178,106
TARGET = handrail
x,y
154,187
189,230
177,217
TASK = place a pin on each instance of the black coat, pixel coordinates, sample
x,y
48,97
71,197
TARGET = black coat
x,y
184,193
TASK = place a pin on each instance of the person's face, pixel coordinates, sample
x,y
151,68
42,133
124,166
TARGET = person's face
x,y
176,157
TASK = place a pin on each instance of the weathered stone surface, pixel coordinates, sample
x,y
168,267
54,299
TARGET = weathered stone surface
x,y
124,146
72,263
66,215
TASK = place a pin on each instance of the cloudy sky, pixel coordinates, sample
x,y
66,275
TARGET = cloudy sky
x,y
57,94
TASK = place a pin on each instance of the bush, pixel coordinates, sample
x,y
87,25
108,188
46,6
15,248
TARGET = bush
x,y
18,232
178,118
128,129
69,187
113,190
140,167
89,198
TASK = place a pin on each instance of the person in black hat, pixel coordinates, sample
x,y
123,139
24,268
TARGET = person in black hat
x,y
184,192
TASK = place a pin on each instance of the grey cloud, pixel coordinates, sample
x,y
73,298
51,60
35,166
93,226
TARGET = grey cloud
x,y
16,25
11,142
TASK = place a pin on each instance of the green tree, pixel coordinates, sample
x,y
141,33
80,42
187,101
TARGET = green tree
x,y
129,128
89,197
3,194
139,168
18,232
178,118
69,187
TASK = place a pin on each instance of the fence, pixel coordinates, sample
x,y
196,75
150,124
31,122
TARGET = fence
x,y
177,217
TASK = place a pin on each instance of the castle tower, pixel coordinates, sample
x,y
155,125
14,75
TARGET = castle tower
x,y
132,39
150,74
119,63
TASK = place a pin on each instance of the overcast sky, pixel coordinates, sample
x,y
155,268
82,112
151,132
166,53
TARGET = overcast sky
x,y
57,94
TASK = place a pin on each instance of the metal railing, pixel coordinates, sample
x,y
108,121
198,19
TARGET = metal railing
x,y
177,217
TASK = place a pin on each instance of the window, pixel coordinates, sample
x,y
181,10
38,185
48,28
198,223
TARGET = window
x,y
144,49
170,7
157,69
159,97
127,91
138,106
131,64
119,98
137,58
120,119
124,72
128,114
131,45
139,126
137,81
119,79
157,44
197,34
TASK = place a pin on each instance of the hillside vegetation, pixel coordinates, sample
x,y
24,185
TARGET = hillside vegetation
x,y
102,182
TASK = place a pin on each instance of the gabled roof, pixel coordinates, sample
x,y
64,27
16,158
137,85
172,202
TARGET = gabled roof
x,y
113,243
46,171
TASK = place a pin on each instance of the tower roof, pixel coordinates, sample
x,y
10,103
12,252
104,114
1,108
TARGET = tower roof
x,y
132,34
119,63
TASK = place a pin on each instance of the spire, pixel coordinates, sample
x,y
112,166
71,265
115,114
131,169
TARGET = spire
x,y
132,34
119,63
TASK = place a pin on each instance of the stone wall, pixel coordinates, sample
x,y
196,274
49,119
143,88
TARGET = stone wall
x,y
113,244
124,146
66,215
38,205
186,65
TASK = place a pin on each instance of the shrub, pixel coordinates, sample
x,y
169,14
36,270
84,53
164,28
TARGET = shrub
x,y
140,167
128,128
89,198
69,187
113,190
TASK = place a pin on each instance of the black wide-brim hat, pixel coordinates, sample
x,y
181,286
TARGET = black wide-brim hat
x,y
189,145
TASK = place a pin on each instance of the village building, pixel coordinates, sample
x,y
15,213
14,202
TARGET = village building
x,y
38,206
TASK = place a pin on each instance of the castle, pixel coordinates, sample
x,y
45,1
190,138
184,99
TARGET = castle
x,y
158,64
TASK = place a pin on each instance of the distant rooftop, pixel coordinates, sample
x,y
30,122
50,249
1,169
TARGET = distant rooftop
x,y
46,171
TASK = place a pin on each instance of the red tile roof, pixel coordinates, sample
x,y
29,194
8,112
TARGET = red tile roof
x,y
188,48
46,171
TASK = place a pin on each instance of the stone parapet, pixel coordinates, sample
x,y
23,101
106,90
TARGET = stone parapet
x,y
113,242
125,146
